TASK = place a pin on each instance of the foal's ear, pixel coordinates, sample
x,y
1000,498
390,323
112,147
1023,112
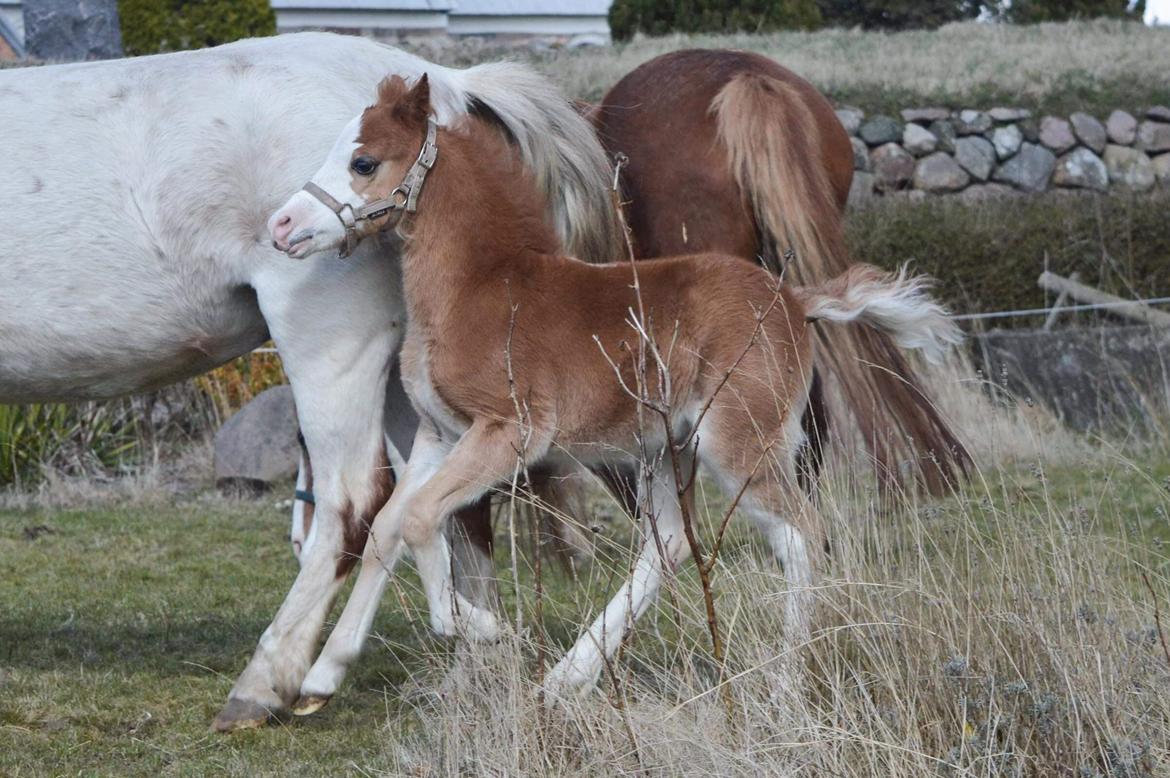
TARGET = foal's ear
x,y
390,89
415,105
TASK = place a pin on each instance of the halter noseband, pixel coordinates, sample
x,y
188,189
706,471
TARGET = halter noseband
x,y
403,200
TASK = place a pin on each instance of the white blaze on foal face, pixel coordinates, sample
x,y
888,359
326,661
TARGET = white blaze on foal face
x,y
356,172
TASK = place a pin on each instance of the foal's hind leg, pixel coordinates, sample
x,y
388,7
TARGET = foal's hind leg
x,y
663,544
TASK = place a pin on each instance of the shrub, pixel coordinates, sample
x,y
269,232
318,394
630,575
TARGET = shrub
x,y
658,17
1031,11
897,14
988,256
153,26
75,439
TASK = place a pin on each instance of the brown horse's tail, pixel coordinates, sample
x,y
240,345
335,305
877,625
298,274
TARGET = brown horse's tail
x,y
774,145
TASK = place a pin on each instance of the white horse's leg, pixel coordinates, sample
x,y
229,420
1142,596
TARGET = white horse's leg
x,y
662,545
440,480
383,550
337,334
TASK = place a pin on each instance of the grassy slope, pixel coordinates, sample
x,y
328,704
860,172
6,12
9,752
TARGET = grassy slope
x,y
122,629
1050,68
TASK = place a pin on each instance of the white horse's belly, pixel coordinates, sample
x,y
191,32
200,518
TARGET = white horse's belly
x,y
133,201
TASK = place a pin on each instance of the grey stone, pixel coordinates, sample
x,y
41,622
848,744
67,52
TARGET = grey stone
x,y
971,122
1121,128
850,118
918,140
72,30
1056,134
977,192
1093,377
975,155
1006,140
1153,137
257,447
908,196
925,115
860,154
945,132
881,129
1009,114
1029,170
1081,169
1031,130
940,173
1161,165
861,190
1129,168
1159,113
893,167
1089,131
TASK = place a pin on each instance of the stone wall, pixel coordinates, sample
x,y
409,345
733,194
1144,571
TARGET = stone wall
x,y
975,154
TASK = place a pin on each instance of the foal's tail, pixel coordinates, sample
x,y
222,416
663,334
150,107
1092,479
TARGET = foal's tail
x,y
896,304
560,148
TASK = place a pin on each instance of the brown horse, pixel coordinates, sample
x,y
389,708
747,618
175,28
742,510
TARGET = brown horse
x,y
729,152
516,356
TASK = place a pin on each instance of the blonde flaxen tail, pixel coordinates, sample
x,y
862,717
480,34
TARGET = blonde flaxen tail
x,y
773,144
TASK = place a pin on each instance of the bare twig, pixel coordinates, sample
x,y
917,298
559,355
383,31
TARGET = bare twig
x,y
1157,616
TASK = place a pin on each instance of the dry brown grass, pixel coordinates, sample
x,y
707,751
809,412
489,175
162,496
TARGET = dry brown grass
x,y
1004,631
1094,66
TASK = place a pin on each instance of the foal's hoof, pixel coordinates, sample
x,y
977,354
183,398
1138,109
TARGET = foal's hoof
x,y
240,714
308,704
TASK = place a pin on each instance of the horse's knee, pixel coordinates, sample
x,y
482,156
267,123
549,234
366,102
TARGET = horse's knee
x,y
419,527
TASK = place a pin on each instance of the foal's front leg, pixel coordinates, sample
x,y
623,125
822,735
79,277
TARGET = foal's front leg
x,y
439,480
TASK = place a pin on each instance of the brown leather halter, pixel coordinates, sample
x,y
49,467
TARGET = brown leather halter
x,y
401,201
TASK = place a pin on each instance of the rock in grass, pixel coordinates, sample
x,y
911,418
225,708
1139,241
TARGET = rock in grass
x,y
1161,165
1089,131
1006,140
1009,114
972,122
861,190
975,155
257,447
944,130
978,192
850,118
1129,168
1056,134
918,140
893,167
860,154
1081,169
1121,128
881,129
924,115
1153,137
1159,113
1029,170
940,173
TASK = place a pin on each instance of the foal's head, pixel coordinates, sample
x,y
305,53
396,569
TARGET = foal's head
x,y
367,164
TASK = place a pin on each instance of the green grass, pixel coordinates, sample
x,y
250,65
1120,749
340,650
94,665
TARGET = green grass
x,y
122,628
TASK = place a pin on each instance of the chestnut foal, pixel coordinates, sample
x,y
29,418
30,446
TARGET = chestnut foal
x,y
515,352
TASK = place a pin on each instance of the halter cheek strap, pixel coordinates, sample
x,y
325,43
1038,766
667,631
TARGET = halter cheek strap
x,y
402,200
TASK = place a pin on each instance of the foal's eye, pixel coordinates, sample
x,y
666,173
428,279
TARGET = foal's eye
x,y
364,166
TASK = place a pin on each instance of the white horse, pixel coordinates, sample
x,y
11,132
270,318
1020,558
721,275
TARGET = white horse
x,y
134,253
